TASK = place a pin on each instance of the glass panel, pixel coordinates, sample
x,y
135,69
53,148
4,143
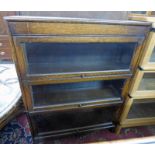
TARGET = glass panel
x,y
49,58
152,59
69,93
47,122
147,82
142,108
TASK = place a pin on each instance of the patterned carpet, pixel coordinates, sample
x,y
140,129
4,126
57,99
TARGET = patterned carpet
x,y
18,132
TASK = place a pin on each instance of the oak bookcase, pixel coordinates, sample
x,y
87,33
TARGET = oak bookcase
x,y
74,72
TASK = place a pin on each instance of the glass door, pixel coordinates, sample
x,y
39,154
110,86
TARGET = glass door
x,y
144,85
79,94
59,58
142,108
46,57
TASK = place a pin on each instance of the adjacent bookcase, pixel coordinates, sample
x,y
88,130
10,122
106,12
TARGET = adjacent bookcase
x,y
139,107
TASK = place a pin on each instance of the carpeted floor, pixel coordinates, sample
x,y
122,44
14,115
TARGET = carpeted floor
x,y
18,132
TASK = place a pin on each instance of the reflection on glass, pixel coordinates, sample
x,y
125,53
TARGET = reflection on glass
x,y
142,108
46,58
152,59
147,82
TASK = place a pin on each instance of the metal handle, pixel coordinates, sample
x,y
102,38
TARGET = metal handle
x,y
1,44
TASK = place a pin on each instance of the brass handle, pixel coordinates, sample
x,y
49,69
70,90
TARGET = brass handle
x,y
2,53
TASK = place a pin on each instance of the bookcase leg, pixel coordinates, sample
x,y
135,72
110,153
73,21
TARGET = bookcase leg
x,y
118,129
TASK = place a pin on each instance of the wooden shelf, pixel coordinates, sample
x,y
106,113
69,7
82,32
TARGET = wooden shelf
x,y
77,93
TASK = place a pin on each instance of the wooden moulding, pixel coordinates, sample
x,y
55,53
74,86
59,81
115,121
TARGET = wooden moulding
x,y
49,79
71,20
66,26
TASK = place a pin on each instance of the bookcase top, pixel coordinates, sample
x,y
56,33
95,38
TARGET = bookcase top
x,y
73,20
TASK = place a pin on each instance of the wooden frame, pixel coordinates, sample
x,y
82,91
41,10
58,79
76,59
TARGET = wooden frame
x,y
24,25
134,92
147,52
